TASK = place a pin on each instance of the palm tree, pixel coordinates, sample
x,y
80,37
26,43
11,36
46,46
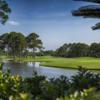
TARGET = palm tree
x,y
34,42
4,11
90,11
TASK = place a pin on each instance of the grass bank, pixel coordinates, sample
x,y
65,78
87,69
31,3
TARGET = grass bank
x,y
4,58
73,63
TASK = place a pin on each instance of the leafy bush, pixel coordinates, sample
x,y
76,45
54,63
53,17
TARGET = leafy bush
x,y
82,86
85,79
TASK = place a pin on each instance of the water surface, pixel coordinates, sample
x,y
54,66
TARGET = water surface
x,y
27,69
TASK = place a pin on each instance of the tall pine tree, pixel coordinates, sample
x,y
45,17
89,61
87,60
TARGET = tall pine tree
x,y
90,11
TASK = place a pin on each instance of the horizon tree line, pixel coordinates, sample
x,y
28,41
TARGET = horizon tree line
x,y
78,50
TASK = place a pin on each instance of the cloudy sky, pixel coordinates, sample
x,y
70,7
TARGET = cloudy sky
x,y
52,20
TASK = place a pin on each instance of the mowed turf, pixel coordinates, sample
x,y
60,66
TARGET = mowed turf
x,y
73,63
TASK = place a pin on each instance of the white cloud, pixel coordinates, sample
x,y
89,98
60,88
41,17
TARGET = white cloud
x,y
14,23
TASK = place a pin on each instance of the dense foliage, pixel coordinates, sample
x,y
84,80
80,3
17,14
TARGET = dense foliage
x,y
78,50
81,86
33,42
16,44
45,53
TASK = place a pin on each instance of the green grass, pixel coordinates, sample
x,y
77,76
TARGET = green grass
x,y
94,96
4,58
73,63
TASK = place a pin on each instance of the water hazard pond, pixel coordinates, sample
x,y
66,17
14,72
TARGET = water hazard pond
x,y
27,69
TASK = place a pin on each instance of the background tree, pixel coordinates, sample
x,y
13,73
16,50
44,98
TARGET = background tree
x,y
46,53
34,42
16,43
4,11
73,50
90,11
63,50
4,43
94,50
78,50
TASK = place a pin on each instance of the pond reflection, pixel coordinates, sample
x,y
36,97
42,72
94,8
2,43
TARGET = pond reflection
x,y
27,69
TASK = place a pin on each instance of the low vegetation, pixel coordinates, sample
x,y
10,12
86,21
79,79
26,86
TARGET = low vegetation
x,y
80,86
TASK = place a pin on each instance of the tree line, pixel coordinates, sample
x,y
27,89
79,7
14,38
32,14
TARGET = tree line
x,y
78,50
17,45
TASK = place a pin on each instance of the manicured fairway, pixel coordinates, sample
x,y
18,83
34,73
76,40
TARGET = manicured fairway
x,y
86,62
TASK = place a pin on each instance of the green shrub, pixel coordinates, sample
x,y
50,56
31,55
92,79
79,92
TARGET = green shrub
x,y
79,87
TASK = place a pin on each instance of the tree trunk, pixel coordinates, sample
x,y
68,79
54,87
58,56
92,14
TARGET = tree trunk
x,y
34,52
19,54
14,56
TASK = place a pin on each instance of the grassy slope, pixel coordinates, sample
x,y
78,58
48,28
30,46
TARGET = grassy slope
x,y
3,58
87,62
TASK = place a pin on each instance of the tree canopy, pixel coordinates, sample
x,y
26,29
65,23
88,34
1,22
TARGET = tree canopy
x,y
78,50
73,50
90,11
33,42
16,43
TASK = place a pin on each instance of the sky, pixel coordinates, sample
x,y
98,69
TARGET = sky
x,y
52,20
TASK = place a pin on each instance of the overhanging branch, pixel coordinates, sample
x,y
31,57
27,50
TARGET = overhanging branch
x,y
97,26
94,1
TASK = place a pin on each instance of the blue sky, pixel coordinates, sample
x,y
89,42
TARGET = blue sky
x,y
52,20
